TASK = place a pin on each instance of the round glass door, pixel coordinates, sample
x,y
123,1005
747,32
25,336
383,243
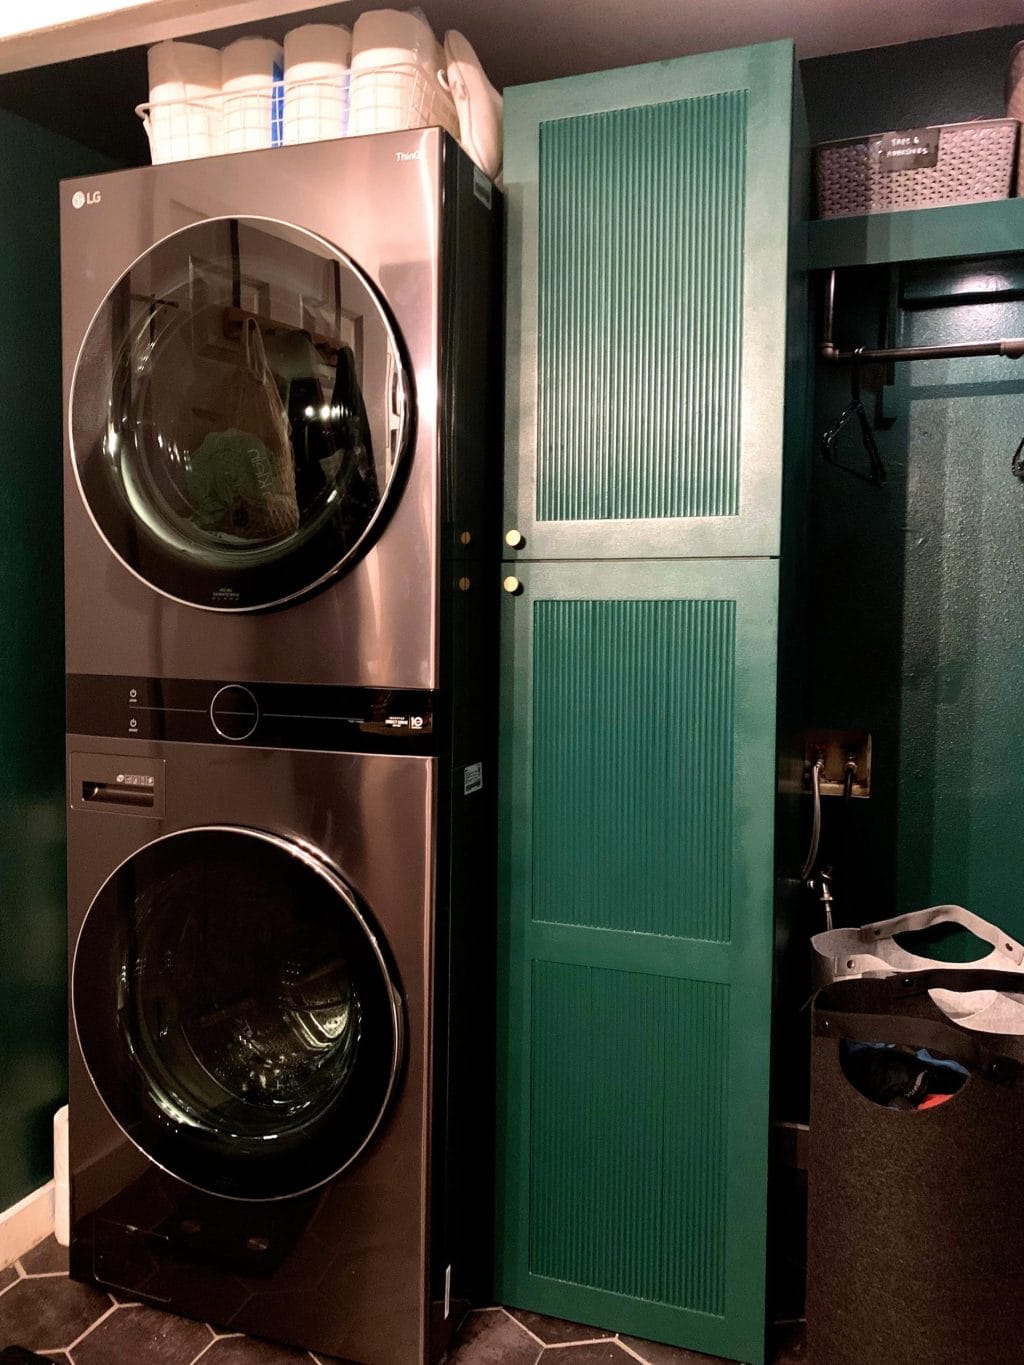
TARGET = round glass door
x,y
240,414
236,1012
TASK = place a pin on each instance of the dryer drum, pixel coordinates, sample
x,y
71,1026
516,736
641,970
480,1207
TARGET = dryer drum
x,y
240,414
236,1012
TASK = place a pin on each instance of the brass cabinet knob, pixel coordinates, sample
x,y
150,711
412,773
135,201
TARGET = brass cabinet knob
x,y
514,539
512,585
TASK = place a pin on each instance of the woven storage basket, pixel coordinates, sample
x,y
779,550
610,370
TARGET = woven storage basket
x,y
975,161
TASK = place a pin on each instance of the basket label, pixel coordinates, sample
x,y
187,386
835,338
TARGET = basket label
x,y
909,150
473,778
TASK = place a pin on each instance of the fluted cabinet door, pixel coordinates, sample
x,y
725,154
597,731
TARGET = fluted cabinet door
x,y
638,768
648,214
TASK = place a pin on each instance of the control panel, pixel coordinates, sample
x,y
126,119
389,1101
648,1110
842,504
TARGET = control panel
x,y
267,715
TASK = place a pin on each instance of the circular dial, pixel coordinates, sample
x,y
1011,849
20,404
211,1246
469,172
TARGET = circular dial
x,y
235,712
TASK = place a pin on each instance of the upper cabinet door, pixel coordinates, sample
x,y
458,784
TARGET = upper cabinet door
x,y
649,214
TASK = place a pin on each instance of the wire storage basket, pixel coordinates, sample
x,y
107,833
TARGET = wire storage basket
x,y
375,100
969,162
180,129
253,118
315,109
383,99
206,125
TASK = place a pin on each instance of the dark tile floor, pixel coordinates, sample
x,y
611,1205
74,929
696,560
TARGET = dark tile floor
x,y
74,1324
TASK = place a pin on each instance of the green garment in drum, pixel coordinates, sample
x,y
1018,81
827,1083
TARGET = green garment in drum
x,y
239,487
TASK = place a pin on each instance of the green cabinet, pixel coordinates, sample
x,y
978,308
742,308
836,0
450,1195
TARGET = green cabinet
x,y
649,267
636,942
648,232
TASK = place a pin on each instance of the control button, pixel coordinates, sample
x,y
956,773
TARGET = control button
x,y
235,712
512,585
515,539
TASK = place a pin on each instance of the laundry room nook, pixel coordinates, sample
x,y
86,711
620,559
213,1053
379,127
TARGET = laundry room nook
x,y
511,582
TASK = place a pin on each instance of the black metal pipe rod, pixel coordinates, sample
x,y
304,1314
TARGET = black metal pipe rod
x,y
1011,348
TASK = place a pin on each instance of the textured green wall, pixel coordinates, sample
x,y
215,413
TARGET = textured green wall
x,y
918,620
32,954
961,719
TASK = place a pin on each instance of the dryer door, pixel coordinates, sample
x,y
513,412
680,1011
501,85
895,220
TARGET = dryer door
x,y
237,1013
240,413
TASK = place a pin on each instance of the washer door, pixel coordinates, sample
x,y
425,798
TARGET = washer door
x,y
240,412
236,1012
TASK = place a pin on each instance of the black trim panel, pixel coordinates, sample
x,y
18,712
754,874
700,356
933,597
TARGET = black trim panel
x,y
368,720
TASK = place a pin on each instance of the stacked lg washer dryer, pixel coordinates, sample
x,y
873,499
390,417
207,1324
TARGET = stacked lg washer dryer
x,y
281,401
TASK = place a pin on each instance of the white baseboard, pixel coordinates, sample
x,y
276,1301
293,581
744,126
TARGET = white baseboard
x,y
26,1223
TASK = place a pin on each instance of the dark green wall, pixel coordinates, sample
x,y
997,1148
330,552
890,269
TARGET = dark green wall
x,y
917,613
938,80
961,718
32,953
918,619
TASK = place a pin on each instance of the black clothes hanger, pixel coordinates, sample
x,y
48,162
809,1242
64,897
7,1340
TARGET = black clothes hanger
x,y
855,410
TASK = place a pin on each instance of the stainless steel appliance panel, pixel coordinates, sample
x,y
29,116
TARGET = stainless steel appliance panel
x,y
378,200
344,1269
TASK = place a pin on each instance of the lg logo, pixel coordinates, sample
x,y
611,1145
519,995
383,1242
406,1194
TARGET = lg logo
x,y
79,200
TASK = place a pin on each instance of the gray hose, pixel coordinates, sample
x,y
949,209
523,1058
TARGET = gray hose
x,y
812,853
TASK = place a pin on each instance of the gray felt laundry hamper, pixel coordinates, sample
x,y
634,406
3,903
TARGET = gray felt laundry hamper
x,y
916,1218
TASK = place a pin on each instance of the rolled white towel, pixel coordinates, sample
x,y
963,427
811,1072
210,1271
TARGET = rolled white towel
x,y
397,71
252,82
316,82
179,71
389,37
184,115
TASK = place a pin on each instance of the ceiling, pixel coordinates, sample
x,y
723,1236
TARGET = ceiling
x,y
84,79
537,39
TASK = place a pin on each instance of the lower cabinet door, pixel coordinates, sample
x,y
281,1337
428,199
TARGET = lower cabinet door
x,y
638,775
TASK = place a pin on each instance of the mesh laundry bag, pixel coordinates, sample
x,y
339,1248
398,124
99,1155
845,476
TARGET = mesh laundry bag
x,y
241,478
915,1245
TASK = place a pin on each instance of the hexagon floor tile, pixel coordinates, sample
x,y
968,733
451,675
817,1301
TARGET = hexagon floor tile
x,y
556,1331
48,1313
74,1324
144,1336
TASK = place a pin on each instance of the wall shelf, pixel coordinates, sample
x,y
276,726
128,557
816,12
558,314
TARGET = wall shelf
x,y
993,228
